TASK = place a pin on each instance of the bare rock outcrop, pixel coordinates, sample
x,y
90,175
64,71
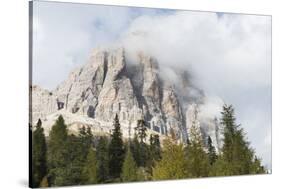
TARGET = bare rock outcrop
x,y
106,85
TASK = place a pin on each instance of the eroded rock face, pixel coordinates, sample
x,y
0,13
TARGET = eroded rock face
x,y
43,103
106,85
171,109
80,91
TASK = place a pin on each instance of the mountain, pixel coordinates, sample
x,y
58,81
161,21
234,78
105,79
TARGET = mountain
x,y
108,85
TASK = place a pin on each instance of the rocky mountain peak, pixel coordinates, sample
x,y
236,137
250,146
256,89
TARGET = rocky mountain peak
x,y
106,85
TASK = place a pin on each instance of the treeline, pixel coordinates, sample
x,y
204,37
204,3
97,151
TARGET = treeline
x,y
64,160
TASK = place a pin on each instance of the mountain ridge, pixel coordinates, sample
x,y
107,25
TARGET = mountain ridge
x,y
107,85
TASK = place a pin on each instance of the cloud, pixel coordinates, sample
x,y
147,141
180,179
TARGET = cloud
x,y
228,56
234,48
65,33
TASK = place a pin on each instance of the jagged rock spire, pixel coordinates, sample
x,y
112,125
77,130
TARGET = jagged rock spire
x,y
106,85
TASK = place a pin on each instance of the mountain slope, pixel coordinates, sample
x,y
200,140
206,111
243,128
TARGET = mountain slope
x,y
107,85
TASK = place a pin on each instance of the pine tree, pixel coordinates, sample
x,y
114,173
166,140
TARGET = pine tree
x,y
197,161
102,160
211,151
39,148
155,148
90,168
237,157
220,167
197,158
143,154
173,163
116,150
153,154
135,149
57,153
140,131
86,139
75,161
256,167
129,168
235,150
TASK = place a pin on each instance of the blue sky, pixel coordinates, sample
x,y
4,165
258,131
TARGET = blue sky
x,y
229,55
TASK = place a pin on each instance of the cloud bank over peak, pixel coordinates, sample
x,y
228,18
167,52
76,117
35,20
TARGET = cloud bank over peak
x,y
231,50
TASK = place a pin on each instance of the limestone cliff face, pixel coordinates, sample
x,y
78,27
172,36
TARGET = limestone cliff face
x,y
106,85
43,103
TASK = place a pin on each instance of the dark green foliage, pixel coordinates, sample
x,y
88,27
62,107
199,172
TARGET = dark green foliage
x,y
144,154
39,148
86,135
75,160
58,153
237,157
78,153
155,147
102,160
66,156
116,150
187,141
211,151
155,150
90,168
86,139
236,151
135,149
129,168
141,130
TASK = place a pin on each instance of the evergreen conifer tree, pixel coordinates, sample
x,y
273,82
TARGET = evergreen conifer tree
x,y
116,150
197,158
237,157
135,149
173,162
57,153
75,161
211,151
256,167
129,168
90,168
86,139
102,160
39,149
155,148
141,130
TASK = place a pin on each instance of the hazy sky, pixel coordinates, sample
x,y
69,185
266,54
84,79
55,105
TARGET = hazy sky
x,y
228,55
